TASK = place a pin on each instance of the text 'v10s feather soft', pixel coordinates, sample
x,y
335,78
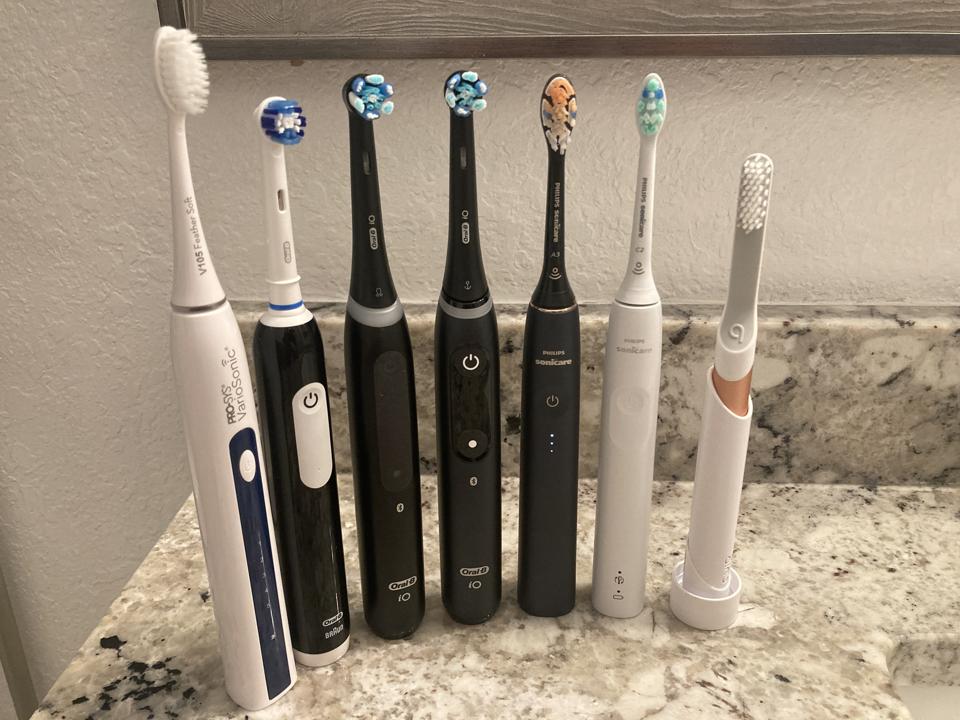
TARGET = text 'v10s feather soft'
x,y
467,363
705,592
631,389
550,403
380,392
294,407
219,417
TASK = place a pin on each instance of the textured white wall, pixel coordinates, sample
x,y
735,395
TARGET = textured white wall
x,y
92,463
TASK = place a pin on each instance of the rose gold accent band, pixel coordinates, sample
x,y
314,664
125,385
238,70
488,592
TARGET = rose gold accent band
x,y
734,394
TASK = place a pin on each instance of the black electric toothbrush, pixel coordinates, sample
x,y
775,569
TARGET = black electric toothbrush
x,y
380,393
467,363
550,403
298,445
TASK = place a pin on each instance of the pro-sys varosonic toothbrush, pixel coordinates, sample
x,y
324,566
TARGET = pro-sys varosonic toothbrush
x,y
550,403
380,393
219,417
292,385
706,589
467,362
631,388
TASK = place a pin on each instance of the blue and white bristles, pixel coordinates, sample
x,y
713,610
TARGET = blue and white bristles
x,y
370,95
283,121
464,93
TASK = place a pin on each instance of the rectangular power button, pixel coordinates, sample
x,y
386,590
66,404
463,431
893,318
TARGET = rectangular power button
x,y
311,427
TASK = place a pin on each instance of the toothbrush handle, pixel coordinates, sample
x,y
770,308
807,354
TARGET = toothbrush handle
x,y
721,455
549,451
468,448
628,443
386,469
233,505
292,386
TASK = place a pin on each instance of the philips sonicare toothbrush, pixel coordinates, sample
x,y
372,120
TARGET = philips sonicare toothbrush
x,y
706,589
380,393
292,383
550,403
219,417
631,388
467,363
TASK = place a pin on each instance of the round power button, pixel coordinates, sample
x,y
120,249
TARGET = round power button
x,y
470,361
248,465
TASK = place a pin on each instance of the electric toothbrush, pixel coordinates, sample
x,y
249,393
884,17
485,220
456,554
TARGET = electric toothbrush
x,y
298,445
380,393
550,402
631,388
705,592
467,364
219,417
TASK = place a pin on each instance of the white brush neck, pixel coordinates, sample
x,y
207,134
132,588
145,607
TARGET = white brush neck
x,y
283,280
638,287
195,282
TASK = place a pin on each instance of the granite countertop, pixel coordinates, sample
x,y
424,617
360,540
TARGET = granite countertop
x,y
835,578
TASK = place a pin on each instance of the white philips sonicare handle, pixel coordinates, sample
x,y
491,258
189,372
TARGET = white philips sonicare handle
x,y
718,480
195,282
217,403
638,287
628,435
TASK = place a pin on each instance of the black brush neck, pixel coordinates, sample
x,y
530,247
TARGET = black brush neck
x,y
553,291
370,282
464,281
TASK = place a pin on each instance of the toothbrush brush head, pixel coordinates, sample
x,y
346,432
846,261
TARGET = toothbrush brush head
x,y
283,121
464,93
368,96
652,105
558,112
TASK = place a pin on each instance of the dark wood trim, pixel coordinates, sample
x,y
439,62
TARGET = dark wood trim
x,y
308,47
171,13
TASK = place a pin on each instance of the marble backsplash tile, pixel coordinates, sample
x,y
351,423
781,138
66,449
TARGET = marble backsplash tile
x,y
857,395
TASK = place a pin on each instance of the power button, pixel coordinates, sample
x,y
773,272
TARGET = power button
x,y
470,361
248,465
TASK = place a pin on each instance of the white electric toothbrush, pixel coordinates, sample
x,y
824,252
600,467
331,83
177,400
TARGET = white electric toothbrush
x,y
219,417
705,592
631,387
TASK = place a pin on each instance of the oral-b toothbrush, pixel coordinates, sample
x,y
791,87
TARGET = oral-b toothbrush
x,y
298,445
467,365
631,388
380,393
705,592
219,417
550,402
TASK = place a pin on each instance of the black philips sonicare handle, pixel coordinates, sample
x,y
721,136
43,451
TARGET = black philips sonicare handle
x,y
549,451
386,471
468,447
290,367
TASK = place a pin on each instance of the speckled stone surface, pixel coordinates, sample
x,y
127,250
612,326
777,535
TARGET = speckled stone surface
x,y
864,396
836,577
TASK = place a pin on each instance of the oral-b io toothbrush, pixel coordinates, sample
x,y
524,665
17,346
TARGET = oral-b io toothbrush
x,y
550,402
705,592
294,407
631,387
380,393
467,363
219,417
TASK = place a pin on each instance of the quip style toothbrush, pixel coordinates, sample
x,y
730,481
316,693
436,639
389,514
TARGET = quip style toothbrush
x,y
550,402
705,592
298,445
631,387
380,393
219,417
467,364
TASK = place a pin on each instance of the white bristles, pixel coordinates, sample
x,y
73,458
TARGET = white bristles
x,y
754,192
181,71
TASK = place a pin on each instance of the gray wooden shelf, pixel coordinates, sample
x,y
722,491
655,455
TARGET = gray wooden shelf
x,y
308,29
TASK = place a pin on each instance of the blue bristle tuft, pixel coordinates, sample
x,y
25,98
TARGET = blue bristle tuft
x,y
463,93
283,121
369,96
